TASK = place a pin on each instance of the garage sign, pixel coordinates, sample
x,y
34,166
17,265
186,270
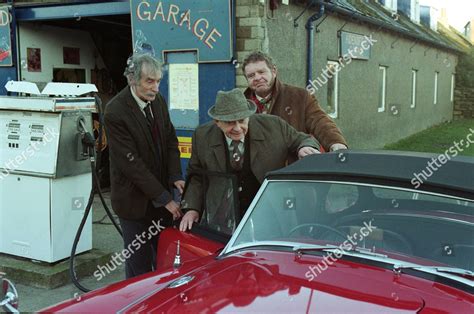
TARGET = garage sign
x,y
170,25
5,38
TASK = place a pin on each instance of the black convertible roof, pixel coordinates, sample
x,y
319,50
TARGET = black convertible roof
x,y
401,169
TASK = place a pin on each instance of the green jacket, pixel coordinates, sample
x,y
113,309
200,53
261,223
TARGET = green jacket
x,y
272,141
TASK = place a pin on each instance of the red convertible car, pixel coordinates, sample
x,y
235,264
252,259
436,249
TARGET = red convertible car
x,y
345,232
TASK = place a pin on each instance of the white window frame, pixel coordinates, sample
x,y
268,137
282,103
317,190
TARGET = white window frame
x,y
391,5
452,87
335,114
415,11
381,106
414,74
435,96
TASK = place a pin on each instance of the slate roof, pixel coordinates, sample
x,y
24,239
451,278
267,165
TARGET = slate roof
x,y
372,12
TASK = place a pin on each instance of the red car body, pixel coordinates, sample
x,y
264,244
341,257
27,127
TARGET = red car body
x,y
261,280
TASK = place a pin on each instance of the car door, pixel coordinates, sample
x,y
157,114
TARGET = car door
x,y
220,217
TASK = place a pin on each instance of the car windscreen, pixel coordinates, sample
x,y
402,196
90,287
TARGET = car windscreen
x,y
431,229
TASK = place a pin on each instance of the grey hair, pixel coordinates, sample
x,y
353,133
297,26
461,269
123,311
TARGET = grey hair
x,y
133,70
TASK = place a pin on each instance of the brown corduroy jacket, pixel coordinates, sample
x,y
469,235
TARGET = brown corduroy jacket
x,y
301,110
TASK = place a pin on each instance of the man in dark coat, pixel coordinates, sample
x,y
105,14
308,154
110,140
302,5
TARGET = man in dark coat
x,y
144,163
238,142
293,104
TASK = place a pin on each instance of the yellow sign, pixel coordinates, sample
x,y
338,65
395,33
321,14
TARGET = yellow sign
x,y
184,146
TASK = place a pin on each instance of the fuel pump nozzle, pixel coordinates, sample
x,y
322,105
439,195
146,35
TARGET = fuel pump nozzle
x,y
85,141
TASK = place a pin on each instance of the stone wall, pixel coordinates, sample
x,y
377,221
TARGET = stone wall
x,y
463,103
250,33
363,125
464,87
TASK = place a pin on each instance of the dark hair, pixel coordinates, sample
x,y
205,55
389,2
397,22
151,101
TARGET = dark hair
x,y
257,56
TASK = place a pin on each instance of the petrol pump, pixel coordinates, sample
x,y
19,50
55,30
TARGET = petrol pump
x,y
49,193
194,40
45,173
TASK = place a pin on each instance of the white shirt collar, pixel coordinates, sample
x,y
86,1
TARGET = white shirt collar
x,y
229,140
142,104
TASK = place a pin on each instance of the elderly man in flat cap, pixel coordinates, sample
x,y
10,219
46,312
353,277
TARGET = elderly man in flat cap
x,y
241,143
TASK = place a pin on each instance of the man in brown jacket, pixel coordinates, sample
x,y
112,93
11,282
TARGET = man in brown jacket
x,y
293,104
241,143
144,163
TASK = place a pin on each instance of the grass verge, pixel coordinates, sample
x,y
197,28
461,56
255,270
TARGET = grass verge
x,y
440,138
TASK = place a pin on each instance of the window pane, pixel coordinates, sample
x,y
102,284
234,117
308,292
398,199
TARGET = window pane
x,y
331,93
413,88
382,88
332,89
452,87
214,193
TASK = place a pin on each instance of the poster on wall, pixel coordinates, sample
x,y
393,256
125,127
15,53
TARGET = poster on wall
x,y
184,86
71,55
34,59
5,38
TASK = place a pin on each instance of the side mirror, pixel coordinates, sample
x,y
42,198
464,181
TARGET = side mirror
x,y
8,296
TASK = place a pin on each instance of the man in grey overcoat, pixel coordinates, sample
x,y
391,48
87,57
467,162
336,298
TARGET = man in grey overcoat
x,y
240,143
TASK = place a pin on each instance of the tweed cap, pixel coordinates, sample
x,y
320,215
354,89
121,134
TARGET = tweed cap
x,y
231,106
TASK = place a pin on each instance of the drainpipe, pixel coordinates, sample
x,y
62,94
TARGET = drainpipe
x,y
310,54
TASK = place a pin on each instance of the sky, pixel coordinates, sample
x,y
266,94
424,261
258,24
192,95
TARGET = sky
x,y
459,11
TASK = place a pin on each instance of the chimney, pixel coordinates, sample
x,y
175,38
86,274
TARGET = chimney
x,y
468,31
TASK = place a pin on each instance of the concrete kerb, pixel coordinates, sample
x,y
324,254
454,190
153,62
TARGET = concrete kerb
x,y
50,276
